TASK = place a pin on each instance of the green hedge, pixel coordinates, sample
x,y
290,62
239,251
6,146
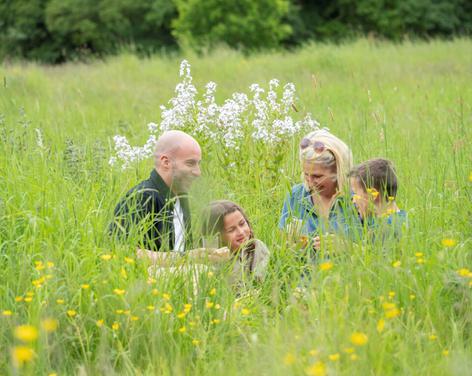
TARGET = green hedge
x,y
59,30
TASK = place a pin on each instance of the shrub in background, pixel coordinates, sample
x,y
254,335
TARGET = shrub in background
x,y
245,24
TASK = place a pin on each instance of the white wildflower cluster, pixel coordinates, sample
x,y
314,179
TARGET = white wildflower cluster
x,y
39,138
262,117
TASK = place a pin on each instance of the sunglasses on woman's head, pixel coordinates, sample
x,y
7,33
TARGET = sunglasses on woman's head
x,y
317,146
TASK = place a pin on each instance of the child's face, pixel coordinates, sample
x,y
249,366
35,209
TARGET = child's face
x,y
236,230
361,198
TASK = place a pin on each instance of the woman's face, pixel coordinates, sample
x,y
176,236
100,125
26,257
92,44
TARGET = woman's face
x,y
236,230
320,179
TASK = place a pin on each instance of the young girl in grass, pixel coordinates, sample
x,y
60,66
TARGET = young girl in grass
x,y
249,256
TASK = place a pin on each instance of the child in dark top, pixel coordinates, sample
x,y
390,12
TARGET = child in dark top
x,y
374,185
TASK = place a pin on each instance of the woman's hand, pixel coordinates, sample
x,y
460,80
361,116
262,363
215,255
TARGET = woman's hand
x,y
215,256
219,255
317,243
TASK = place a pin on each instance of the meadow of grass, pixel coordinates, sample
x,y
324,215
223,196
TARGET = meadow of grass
x,y
89,302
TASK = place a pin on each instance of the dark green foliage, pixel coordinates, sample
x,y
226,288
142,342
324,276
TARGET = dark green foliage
x,y
392,19
244,24
60,30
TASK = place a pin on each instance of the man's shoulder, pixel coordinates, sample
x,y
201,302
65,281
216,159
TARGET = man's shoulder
x,y
143,194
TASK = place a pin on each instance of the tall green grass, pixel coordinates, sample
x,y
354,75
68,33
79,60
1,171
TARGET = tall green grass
x,y
411,103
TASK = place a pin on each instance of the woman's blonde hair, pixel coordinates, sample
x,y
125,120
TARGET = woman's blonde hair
x,y
321,146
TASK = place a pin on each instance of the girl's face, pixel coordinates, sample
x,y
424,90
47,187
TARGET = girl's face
x,y
236,230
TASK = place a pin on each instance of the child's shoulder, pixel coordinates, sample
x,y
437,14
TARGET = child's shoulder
x,y
261,247
400,216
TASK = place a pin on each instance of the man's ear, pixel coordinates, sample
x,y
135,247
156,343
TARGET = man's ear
x,y
164,161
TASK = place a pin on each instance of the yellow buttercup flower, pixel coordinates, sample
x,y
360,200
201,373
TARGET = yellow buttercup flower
x,y
26,333
433,337
359,339
155,292
316,369
182,329
334,357
289,359
106,257
71,313
448,243
380,325
60,301
392,313
134,318
212,291
445,352
327,265
129,260
115,325
99,323
168,308
21,355
150,308
187,307
166,296
181,315
195,342
463,272
386,306
49,325
245,312
7,312
19,299
85,286
119,291
397,264
209,304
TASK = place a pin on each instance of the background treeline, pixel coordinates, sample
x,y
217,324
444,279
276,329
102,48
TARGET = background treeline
x,y
54,31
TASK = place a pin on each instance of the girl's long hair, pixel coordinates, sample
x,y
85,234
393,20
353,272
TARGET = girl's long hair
x,y
213,224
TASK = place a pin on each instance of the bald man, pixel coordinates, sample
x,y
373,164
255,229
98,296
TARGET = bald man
x,y
156,211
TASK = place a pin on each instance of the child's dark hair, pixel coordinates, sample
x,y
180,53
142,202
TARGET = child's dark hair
x,y
379,174
213,223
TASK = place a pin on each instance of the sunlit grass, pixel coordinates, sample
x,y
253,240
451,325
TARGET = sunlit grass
x,y
73,301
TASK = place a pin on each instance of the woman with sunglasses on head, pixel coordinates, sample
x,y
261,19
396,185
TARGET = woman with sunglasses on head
x,y
321,204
